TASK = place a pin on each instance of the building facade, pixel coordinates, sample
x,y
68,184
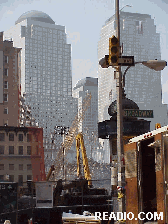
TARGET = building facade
x,y
146,158
21,154
89,125
21,148
142,85
46,76
10,83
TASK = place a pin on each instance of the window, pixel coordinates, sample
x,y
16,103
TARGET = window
x,y
2,137
37,150
11,137
123,24
20,150
6,72
1,177
5,110
6,123
29,150
20,180
5,84
1,166
11,166
20,137
6,59
29,177
110,95
29,137
139,27
20,166
29,167
11,178
23,31
36,138
5,97
11,150
2,149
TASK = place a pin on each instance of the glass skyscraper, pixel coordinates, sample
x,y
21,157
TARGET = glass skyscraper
x,y
45,70
142,85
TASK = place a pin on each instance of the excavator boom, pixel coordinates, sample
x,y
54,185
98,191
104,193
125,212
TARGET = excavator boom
x,y
50,172
80,144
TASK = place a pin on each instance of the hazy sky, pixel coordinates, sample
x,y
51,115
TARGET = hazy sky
x,y
83,20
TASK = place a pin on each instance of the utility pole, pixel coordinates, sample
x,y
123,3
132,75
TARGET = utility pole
x,y
61,130
63,154
119,110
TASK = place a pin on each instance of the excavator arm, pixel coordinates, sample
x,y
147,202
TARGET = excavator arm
x,y
80,144
50,172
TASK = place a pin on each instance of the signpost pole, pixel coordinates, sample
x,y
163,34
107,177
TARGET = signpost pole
x,y
119,112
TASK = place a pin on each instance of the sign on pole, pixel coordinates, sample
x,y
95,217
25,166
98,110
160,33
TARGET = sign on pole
x,y
44,195
126,61
138,113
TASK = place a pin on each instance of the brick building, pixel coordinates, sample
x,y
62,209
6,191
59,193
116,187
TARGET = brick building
x,y
21,142
21,154
9,82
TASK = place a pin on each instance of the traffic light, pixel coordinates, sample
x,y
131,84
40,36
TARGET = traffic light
x,y
104,62
114,51
157,125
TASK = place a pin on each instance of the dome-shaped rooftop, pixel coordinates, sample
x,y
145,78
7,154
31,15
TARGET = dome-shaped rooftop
x,y
126,104
36,15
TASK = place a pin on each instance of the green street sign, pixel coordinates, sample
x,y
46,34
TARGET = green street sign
x,y
138,113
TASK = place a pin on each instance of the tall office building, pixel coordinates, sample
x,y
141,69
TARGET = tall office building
x,y
142,85
89,125
10,83
46,77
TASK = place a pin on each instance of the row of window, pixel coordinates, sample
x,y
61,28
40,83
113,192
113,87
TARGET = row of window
x,y
20,178
11,150
11,137
12,167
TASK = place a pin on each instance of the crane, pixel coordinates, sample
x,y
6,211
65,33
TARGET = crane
x,y
69,139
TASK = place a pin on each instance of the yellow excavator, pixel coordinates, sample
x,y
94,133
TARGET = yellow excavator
x,y
50,172
81,187
80,144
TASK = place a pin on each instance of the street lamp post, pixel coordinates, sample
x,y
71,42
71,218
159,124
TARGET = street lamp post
x,y
156,65
91,143
124,7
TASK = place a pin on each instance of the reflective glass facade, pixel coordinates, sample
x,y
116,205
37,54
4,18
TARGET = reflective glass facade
x,y
45,71
142,85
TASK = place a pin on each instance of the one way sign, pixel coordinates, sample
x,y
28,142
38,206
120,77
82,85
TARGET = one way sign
x,y
126,61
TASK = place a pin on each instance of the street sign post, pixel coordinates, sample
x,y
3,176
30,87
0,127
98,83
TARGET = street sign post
x,y
138,113
126,61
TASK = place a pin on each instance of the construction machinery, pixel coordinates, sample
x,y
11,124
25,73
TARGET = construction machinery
x,y
69,139
80,142
81,190
50,172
